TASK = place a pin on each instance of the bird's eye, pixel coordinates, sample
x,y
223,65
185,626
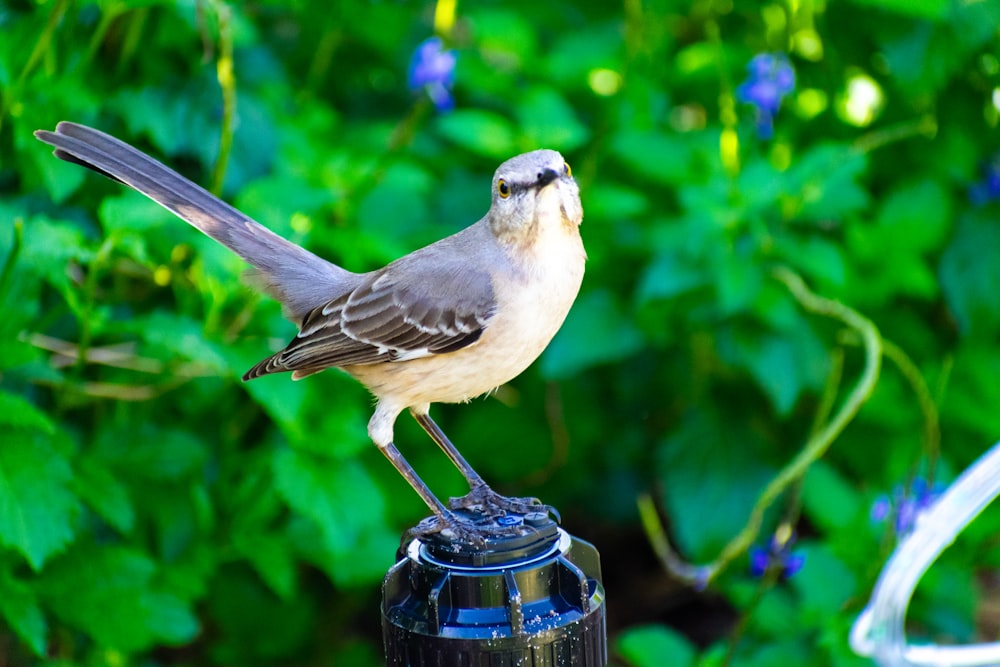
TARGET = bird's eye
x,y
566,168
503,189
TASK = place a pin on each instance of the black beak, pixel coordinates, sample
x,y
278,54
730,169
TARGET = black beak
x,y
545,177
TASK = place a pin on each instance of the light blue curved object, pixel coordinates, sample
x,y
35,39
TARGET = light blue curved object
x,y
879,631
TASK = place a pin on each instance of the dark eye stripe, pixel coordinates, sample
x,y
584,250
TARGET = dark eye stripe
x,y
512,188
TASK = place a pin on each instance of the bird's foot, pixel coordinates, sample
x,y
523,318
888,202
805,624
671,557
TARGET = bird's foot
x,y
487,501
472,527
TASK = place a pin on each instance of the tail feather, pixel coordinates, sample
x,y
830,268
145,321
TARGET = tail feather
x,y
297,278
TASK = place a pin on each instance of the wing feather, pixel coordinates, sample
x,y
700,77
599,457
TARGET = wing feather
x,y
407,310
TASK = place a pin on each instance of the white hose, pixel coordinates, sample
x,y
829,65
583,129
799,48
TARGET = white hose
x,y
879,631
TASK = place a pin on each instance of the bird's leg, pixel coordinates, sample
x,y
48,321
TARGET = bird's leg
x,y
480,494
445,517
438,436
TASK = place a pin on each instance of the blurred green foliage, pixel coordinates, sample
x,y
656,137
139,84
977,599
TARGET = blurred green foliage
x,y
154,510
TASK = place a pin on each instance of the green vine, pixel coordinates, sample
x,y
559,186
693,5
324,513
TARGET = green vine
x,y
816,446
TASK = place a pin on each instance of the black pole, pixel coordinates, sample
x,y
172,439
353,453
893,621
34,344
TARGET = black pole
x,y
531,596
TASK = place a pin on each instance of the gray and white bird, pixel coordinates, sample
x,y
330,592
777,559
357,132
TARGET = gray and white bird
x,y
443,324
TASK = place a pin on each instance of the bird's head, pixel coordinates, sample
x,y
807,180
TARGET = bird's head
x,y
533,193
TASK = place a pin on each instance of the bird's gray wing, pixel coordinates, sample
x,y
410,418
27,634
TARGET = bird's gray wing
x,y
409,309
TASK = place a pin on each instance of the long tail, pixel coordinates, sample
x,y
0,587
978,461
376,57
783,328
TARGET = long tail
x,y
297,278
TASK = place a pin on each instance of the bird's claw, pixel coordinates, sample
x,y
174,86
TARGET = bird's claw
x,y
461,528
492,504
479,516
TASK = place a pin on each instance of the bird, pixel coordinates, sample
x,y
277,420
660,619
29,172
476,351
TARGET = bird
x,y
446,323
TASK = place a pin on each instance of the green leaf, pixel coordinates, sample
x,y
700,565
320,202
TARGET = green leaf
x,y
342,504
401,194
711,476
482,132
908,54
925,56
341,525
153,452
774,364
50,246
548,121
505,35
278,395
281,398
786,650
331,495
948,597
109,593
815,257
738,281
172,118
914,221
274,200
363,562
273,560
596,331
824,585
783,364
17,413
61,178
254,626
670,274
576,53
182,336
169,619
132,211
698,60
974,392
663,158
761,186
777,614
104,493
915,216
970,275
37,511
655,646
879,276
177,516
831,641
189,574
20,608
925,9
829,500
824,181
611,201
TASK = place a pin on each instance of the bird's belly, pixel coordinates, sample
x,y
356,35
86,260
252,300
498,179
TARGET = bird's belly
x,y
452,377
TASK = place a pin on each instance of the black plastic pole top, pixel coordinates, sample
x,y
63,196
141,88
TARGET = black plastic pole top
x,y
530,597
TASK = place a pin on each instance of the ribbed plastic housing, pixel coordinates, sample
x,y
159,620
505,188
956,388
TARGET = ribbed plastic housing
x,y
528,598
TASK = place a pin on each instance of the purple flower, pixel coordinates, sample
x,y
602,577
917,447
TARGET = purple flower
x,y
988,188
881,509
905,505
432,69
778,555
769,78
